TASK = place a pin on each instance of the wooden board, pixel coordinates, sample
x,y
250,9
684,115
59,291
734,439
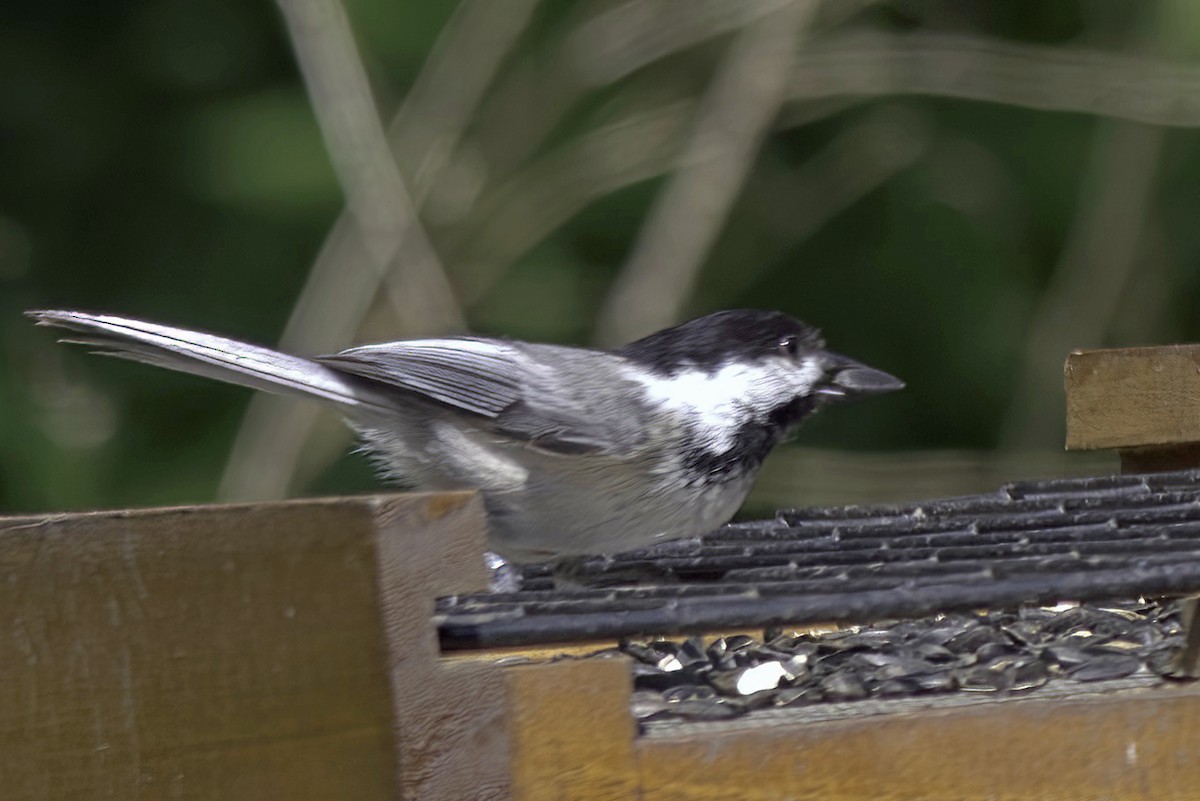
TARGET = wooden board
x,y
571,732
1133,397
1134,747
573,739
264,651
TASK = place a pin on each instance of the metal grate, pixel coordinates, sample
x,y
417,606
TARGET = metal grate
x,y
1080,539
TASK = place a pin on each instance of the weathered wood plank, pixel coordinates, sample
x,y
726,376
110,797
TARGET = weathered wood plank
x,y
1134,747
240,652
449,716
1133,397
571,732
1139,746
572,738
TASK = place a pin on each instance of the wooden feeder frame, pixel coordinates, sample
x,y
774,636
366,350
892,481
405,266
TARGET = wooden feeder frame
x,y
287,650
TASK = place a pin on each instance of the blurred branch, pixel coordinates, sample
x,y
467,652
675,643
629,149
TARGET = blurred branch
x,y
379,232
629,36
1053,78
431,121
1087,287
377,198
270,441
859,160
1148,313
735,116
1112,231
632,35
517,214
605,46
540,193
465,60
828,75
511,218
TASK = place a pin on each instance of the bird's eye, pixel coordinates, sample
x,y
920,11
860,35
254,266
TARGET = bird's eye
x,y
789,346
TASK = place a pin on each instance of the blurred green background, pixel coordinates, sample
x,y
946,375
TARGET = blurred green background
x,y
957,192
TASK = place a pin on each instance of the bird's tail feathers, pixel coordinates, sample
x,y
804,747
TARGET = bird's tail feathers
x,y
209,356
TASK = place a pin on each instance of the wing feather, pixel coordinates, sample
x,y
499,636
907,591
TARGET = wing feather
x,y
474,375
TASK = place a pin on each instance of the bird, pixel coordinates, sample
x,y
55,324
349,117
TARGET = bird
x,y
576,452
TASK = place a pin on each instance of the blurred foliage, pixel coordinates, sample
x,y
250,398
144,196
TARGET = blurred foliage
x,y
163,160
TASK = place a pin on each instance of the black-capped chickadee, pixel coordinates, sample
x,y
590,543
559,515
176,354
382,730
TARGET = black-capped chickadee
x,y
575,451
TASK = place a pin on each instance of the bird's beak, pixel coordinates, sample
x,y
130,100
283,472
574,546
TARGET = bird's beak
x,y
847,380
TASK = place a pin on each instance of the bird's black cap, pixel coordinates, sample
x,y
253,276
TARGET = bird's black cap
x,y
719,338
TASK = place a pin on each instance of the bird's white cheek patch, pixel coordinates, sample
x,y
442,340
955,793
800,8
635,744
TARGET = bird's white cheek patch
x,y
720,402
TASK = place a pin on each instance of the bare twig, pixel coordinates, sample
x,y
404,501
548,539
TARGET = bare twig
x,y
1052,78
511,217
627,37
465,60
828,75
380,211
736,114
605,46
274,430
1148,313
530,193
515,215
376,195
859,160
336,296
1112,229
1096,265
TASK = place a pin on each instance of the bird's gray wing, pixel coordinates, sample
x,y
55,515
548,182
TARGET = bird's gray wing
x,y
479,376
564,434
546,396
577,401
